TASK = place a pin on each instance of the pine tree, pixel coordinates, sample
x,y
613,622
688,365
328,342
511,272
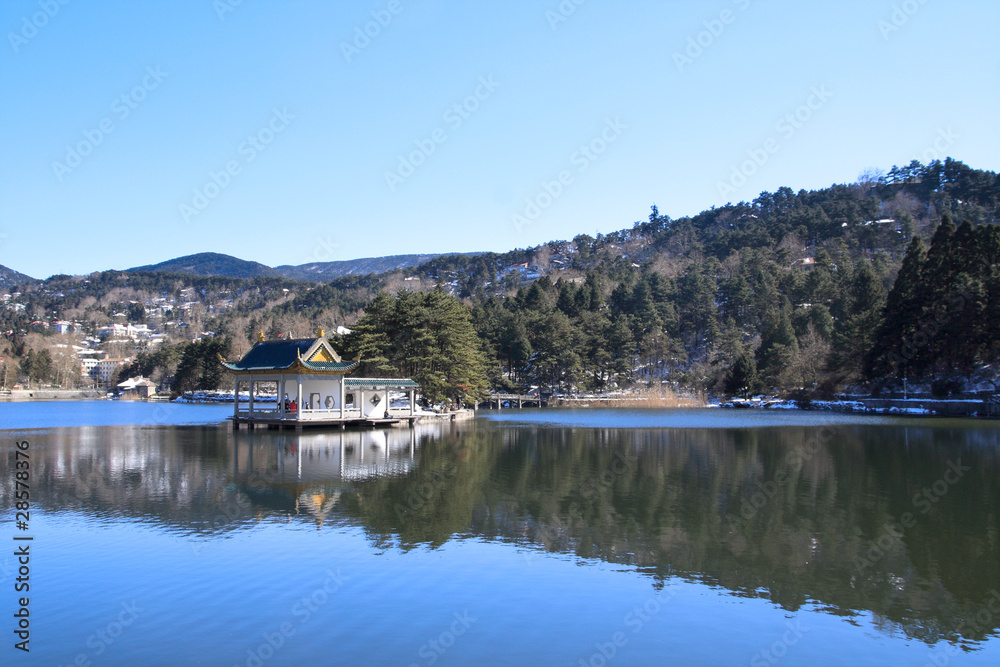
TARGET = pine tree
x,y
779,348
742,378
594,288
901,318
935,271
697,307
428,337
199,367
855,331
369,339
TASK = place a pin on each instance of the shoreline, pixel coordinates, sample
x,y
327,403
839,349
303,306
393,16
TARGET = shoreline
x,y
19,395
978,408
909,407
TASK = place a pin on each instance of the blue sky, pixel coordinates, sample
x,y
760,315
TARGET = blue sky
x,y
289,132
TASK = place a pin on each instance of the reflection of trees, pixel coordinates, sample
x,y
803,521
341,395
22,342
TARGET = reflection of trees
x,y
701,504
673,502
433,502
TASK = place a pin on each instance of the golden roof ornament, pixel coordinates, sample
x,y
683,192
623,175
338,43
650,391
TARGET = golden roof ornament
x,y
320,333
260,336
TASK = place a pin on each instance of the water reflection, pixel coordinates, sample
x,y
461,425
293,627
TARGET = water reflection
x,y
898,521
307,474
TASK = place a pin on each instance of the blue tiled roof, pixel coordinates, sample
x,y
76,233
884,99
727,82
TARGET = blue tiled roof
x,y
271,355
281,354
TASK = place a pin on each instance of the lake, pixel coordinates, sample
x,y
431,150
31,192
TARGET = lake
x,y
523,537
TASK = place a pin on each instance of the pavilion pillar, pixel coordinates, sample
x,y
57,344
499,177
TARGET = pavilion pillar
x,y
236,399
281,396
251,396
342,395
298,400
413,401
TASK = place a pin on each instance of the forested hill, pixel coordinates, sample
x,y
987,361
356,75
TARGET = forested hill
x,y
783,293
787,292
217,264
211,264
11,278
874,216
793,291
325,271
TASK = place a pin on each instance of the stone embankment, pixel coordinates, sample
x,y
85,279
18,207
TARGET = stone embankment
x,y
51,394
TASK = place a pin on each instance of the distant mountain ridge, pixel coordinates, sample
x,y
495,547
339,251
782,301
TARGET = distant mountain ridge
x,y
12,278
326,271
211,264
218,264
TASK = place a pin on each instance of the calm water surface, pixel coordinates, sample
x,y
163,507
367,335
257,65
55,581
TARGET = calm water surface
x,y
568,537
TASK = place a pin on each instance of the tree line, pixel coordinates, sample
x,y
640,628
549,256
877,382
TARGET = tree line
x,y
942,317
808,290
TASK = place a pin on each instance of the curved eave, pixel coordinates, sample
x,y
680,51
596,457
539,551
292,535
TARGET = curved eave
x,y
236,368
299,366
337,368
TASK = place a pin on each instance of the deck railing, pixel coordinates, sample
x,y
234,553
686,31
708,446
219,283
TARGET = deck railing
x,y
327,413
258,413
307,414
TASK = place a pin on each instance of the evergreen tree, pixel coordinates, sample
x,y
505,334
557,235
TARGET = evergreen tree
x,y
428,337
778,354
199,367
742,378
369,338
855,331
36,366
696,299
901,318
594,289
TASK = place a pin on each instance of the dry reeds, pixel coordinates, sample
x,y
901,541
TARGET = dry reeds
x,y
640,398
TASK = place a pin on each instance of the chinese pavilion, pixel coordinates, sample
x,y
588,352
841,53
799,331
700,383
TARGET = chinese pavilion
x,y
313,388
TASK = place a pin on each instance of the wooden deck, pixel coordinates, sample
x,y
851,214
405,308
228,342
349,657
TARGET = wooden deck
x,y
301,424
316,418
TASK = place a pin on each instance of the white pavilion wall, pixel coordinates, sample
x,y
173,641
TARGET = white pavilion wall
x,y
324,386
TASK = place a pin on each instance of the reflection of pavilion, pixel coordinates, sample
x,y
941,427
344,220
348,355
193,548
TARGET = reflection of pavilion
x,y
308,472
324,456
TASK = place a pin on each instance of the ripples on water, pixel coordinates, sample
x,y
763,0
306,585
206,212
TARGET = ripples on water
x,y
528,537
